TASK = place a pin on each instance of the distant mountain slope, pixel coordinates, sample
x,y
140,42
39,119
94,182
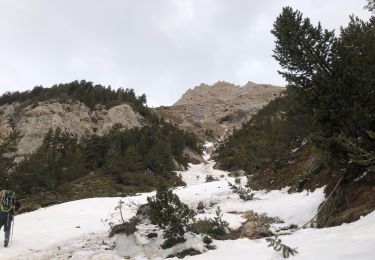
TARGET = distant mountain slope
x,y
34,121
80,140
212,111
79,108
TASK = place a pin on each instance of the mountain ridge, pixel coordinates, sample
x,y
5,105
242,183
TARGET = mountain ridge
x,y
224,91
213,111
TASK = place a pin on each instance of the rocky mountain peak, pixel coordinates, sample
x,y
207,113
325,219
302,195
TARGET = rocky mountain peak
x,y
217,109
221,90
224,91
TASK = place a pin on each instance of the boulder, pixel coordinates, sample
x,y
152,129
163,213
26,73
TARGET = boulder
x,y
249,214
248,229
128,227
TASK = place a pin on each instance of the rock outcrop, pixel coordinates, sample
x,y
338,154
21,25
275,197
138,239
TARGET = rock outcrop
x,y
34,121
213,111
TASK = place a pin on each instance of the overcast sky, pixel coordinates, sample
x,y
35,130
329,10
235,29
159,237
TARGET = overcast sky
x,y
157,47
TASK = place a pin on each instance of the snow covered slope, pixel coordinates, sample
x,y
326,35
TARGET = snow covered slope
x,y
354,241
78,229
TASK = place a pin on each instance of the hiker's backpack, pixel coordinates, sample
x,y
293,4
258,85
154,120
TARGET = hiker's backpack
x,y
7,198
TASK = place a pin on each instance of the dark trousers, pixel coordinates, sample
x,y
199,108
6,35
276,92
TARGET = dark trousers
x,y
6,221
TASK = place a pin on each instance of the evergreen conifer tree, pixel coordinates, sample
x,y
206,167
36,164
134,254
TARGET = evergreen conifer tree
x,y
169,213
332,79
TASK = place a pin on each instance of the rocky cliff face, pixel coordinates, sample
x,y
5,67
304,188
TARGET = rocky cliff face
x,y
213,111
34,121
208,111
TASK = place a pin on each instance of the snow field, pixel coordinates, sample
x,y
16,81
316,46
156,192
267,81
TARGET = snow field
x,y
354,241
78,230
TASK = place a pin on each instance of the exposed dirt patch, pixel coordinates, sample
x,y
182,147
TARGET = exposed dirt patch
x,y
349,203
353,198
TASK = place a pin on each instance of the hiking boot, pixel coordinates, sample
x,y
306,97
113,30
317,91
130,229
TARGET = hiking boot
x,y
5,243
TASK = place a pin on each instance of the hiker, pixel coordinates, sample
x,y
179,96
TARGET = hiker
x,y
8,206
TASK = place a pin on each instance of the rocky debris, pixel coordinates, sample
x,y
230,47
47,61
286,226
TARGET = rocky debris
x,y
214,111
248,229
34,121
248,214
257,225
253,216
128,227
194,157
255,230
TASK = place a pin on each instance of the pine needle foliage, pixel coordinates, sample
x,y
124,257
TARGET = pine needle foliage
x,y
244,193
8,147
84,91
216,227
266,139
221,225
370,6
277,245
329,99
169,213
333,81
63,157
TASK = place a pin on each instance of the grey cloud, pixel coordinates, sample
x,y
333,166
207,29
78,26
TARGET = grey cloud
x,y
160,48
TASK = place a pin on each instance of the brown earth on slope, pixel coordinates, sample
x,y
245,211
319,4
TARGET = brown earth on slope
x,y
350,201
212,112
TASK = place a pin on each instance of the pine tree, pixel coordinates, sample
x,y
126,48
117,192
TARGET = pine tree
x,y
277,245
331,78
304,52
169,213
370,5
8,147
